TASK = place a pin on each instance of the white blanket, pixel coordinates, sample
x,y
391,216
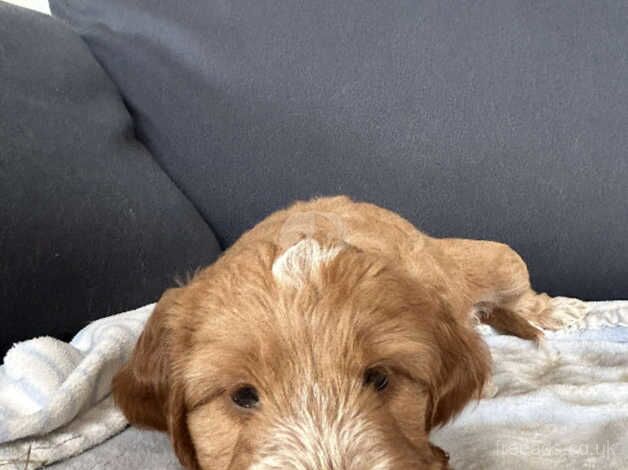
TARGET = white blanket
x,y
46,383
564,405
561,406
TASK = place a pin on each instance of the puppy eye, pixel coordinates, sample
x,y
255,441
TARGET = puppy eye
x,y
245,397
376,377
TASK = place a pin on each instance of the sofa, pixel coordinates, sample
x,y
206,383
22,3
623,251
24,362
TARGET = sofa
x,y
139,139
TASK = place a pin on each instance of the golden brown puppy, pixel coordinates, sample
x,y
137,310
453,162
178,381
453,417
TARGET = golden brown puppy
x,y
332,336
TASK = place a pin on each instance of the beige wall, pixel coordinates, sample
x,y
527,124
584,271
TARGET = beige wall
x,y
39,5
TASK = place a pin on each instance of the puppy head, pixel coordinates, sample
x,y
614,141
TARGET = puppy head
x,y
319,357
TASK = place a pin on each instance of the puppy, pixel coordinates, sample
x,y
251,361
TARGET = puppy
x,y
332,336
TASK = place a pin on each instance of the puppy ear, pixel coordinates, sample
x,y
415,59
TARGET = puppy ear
x,y
179,431
141,387
146,388
465,367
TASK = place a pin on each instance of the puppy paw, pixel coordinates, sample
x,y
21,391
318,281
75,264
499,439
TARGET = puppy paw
x,y
564,313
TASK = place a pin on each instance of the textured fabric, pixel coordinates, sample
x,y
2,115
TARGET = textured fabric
x,y
45,383
89,223
132,449
562,406
87,430
493,119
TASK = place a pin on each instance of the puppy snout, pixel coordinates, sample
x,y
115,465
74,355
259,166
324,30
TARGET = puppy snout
x,y
308,444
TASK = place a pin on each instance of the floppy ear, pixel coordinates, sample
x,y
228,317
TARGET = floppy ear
x,y
146,388
465,367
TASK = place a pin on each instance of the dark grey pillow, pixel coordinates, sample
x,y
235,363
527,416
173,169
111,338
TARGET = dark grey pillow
x,y
89,223
496,119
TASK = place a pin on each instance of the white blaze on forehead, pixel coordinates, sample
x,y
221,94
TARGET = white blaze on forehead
x,y
299,262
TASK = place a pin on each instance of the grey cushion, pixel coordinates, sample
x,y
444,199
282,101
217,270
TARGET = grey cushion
x,y
89,223
132,449
497,119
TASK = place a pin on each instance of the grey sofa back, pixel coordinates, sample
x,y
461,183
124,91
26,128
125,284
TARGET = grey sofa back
x,y
493,119
89,223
